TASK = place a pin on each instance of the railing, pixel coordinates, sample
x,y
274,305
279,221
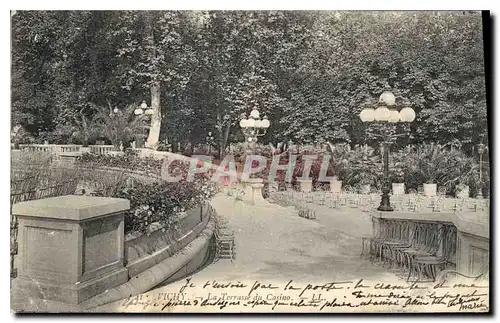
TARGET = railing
x,y
101,149
51,148
57,149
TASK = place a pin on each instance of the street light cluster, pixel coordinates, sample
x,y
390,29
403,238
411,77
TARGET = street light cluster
x,y
386,111
143,109
253,125
254,121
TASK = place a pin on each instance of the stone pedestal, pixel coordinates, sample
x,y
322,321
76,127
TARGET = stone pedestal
x,y
252,189
305,185
70,247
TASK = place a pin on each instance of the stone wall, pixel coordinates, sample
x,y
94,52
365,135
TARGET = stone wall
x,y
74,254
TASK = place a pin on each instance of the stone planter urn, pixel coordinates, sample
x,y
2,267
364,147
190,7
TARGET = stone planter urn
x,y
335,186
398,188
305,185
430,190
462,191
365,189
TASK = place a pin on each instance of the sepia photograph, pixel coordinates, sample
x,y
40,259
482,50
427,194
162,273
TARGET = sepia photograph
x,y
250,161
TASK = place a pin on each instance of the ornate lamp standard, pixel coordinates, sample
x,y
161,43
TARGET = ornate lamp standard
x,y
143,110
387,114
209,140
481,148
254,127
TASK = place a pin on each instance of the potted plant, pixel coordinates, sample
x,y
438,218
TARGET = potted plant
x,y
365,183
335,185
431,162
466,174
363,169
397,179
335,182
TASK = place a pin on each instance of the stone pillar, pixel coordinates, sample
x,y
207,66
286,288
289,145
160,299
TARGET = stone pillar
x,y
70,247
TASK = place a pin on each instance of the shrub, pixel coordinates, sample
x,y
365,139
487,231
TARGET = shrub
x,y
151,200
363,168
161,202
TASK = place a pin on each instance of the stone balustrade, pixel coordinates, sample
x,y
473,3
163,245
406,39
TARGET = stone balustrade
x,y
57,149
101,149
51,148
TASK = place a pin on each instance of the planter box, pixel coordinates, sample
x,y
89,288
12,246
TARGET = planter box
x,y
462,191
305,185
335,186
398,188
430,190
365,189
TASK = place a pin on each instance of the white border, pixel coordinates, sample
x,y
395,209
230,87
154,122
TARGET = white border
x,y
196,4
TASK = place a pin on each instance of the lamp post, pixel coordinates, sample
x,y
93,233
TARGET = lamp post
x,y
209,140
254,127
481,149
386,112
141,110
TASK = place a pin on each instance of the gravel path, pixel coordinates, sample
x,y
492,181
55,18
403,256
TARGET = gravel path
x,y
276,245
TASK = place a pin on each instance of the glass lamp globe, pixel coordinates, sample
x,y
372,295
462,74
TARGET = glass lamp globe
x,y
255,114
407,114
367,115
115,110
387,98
258,124
138,111
265,123
243,123
148,112
382,114
394,116
144,106
251,123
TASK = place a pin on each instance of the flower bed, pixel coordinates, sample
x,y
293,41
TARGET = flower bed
x,y
152,200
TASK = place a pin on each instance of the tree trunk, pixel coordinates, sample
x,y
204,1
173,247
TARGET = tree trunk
x,y
226,137
154,130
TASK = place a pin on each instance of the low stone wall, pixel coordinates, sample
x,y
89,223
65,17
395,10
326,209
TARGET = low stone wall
x,y
133,263
144,251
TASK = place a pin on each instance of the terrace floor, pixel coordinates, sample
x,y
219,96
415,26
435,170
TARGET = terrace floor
x,y
274,244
